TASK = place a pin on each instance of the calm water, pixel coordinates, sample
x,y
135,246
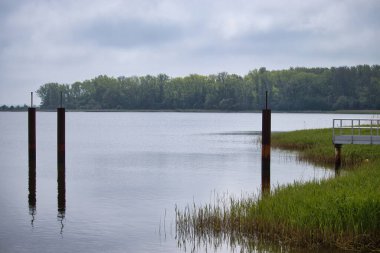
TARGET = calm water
x,y
125,172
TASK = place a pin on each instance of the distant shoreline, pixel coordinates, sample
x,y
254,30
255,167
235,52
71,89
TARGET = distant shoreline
x,y
203,111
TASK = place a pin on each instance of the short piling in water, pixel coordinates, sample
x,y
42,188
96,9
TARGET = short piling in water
x,y
338,156
265,149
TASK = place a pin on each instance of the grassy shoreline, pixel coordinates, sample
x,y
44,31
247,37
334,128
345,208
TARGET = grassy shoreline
x,y
342,212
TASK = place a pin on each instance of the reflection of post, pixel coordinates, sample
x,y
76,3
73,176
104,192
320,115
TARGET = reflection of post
x,y
32,191
338,158
265,152
61,197
61,136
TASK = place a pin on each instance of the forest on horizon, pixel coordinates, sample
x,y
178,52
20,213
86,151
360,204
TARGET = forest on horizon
x,y
294,89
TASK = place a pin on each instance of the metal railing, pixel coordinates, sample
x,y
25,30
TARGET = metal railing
x,y
356,131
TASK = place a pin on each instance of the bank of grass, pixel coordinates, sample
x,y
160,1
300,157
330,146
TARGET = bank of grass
x,y
316,146
343,212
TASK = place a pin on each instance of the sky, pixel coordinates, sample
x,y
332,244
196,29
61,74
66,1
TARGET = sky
x,y
65,41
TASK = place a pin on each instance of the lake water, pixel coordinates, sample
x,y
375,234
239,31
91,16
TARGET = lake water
x,y
125,172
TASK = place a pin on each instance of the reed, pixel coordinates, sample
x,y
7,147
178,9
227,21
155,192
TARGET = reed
x,y
343,212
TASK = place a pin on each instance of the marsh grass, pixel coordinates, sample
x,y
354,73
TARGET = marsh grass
x,y
336,213
316,146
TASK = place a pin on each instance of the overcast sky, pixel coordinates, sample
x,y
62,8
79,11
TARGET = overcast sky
x,y
65,41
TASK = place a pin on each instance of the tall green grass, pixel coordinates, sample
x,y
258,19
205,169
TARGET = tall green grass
x,y
343,212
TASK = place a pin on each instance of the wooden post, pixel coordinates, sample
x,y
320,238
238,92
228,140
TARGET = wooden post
x,y
265,150
32,158
61,169
338,156
61,136
32,134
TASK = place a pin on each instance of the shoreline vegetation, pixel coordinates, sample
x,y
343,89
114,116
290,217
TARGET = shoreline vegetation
x,y
25,108
293,89
341,213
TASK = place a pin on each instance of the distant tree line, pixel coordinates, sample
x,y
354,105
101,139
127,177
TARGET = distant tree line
x,y
293,89
14,108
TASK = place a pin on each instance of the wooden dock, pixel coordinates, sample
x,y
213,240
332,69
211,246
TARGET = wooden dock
x,y
356,131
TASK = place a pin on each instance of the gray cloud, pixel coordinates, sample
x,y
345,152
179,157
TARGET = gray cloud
x,y
65,41
128,33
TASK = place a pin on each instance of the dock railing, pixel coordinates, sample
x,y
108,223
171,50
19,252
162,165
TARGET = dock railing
x,y
356,131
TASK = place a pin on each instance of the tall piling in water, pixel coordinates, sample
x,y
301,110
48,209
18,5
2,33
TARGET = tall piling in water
x,y
32,133
265,148
32,157
61,135
61,169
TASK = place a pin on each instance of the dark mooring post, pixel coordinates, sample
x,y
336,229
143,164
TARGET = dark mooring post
x,y
61,169
265,149
61,135
32,158
32,133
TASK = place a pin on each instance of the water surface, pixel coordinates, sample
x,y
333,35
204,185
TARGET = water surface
x,y
125,172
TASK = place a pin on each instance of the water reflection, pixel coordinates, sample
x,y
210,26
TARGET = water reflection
x,y
32,191
61,197
215,241
209,240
